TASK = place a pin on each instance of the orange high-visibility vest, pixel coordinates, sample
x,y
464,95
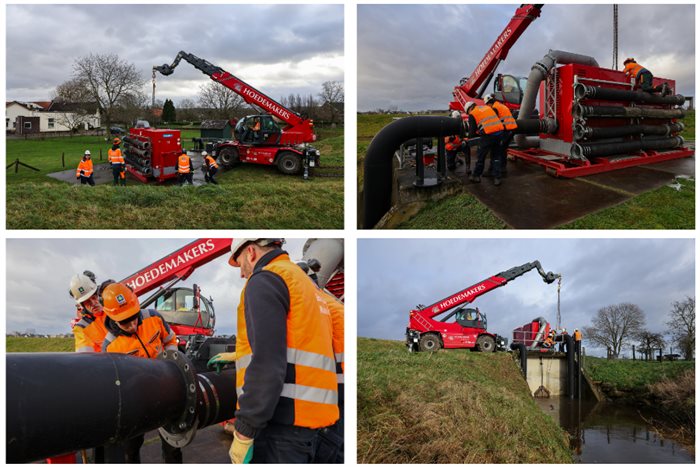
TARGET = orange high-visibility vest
x,y
152,337
486,119
183,164
577,335
452,143
84,168
311,382
211,162
90,333
504,114
633,69
114,156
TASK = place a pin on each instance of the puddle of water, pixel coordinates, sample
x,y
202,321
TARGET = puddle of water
x,y
608,433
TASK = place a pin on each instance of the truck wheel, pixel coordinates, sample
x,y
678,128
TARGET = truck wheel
x,y
289,163
485,344
429,343
229,157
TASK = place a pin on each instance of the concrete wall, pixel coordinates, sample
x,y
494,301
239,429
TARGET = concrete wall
x,y
549,371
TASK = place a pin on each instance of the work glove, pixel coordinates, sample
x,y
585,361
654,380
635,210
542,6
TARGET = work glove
x,y
241,450
220,360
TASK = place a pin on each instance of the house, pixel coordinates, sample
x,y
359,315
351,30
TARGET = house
x,y
217,129
50,116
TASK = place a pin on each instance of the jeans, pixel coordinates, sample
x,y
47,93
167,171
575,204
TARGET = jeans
x,y
285,444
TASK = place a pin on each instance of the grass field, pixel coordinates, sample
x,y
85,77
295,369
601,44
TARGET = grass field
x,y
451,406
634,375
663,208
39,344
248,196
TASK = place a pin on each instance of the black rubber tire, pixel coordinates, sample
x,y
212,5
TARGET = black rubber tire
x,y
486,344
289,163
228,157
430,343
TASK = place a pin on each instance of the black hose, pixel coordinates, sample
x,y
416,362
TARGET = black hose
x,y
533,126
617,111
569,342
585,132
138,151
137,142
378,161
523,356
579,151
584,91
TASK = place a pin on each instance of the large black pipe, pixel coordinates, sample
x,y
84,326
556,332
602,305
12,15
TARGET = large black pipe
x,y
140,152
64,402
618,111
584,91
586,132
522,353
570,367
579,151
533,126
137,142
378,174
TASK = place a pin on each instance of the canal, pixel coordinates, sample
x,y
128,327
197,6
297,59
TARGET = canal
x,y
608,433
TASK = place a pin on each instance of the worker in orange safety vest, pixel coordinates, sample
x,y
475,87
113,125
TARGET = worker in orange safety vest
x,y
210,168
285,361
643,78
509,125
116,160
484,123
85,170
140,333
184,169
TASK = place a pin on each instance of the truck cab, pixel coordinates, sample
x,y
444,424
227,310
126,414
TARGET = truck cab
x,y
509,89
269,131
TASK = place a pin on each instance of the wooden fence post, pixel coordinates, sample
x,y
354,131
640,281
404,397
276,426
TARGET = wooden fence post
x,y
63,160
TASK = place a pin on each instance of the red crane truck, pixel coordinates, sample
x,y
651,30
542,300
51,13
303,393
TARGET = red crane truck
x,y
507,88
469,330
287,148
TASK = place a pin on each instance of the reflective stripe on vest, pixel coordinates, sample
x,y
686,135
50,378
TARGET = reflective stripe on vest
x,y
505,116
633,69
85,349
114,156
183,164
212,163
341,378
153,334
486,119
310,381
85,167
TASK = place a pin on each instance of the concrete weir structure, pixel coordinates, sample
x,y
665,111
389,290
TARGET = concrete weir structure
x,y
551,371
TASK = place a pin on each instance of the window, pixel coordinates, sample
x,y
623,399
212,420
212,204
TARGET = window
x,y
51,123
27,125
7,123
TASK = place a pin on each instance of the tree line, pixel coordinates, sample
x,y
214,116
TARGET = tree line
x,y
617,327
116,88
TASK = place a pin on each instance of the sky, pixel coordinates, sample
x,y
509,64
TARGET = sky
x,y
41,269
395,275
410,57
278,49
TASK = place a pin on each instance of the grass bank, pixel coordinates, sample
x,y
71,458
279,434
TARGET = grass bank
x,y
248,196
39,344
449,407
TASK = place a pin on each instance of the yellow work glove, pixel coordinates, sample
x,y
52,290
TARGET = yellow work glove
x,y
220,360
241,450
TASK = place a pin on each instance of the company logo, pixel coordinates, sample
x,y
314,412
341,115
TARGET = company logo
x,y
460,297
266,103
490,55
121,300
167,135
81,290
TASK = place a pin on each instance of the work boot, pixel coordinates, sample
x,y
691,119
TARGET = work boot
x,y
474,178
497,181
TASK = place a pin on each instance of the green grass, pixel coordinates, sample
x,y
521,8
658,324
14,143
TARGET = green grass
x,y
441,215
689,122
39,344
449,407
248,196
633,375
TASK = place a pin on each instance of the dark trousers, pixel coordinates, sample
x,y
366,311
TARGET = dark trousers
x,y
488,144
119,174
129,452
184,178
503,150
331,441
645,79
451,159
285,444
209,175
87,180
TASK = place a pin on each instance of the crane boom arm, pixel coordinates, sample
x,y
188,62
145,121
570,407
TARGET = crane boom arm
x,y
469,294
177,265
474,85
246,91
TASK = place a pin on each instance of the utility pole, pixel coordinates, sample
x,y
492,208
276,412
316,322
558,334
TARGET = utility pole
x,y
614,64
153,99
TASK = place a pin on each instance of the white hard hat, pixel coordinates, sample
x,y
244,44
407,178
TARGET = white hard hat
x,y
87,152
455,114
468,107
489,98
204,153
82,287
238,243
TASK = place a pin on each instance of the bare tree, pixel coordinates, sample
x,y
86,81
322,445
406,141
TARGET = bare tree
x,y
108,80
649,342
332,94
615,326
71,102
223,102
188,111
682,326
132,107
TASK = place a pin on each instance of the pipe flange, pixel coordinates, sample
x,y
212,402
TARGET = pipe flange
x,y
188,418
179,440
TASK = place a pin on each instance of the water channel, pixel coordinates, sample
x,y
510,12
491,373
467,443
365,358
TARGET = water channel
x,y
609,433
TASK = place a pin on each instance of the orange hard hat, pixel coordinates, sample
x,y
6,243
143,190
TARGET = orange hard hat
x,y
120,302
116,141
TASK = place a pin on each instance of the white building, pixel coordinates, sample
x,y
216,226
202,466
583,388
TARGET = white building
x,y
42,117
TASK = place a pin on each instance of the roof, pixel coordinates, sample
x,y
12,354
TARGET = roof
x,y
214,124
26,105
59,106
